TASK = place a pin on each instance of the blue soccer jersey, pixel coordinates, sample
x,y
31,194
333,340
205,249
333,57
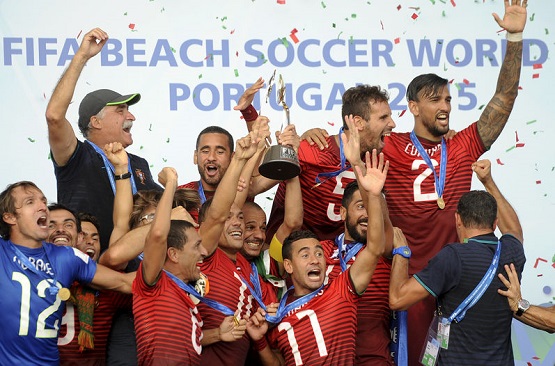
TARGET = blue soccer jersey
x,y
31,314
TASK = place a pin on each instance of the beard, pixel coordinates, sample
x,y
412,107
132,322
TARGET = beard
x,y
353,232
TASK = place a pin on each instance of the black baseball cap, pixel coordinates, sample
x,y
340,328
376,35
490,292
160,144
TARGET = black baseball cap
x,y
98,99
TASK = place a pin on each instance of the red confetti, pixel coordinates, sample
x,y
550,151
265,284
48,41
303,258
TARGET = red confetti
x,y
535,358
538,260
540,275
535,76
208,56
414,16
331,123
466,81
131,26
81,31
499,162
399,7
402,112
453,3
520,144
516,134
397,40
282,2
451,81
44,95
519,88
538,182
233,31
293,36
537,66
381,24
242,117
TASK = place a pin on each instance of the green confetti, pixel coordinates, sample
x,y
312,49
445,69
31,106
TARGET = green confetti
x,y
546,31
481,107
443,1
433,2
323,5
510,148
163,10
165,160
236,72
125,14
150,127
458,86
140,148
444,67
200,76
324,72
284,41
173,50
532,121
532,17
269,198
168,141
351,40
224,27
353,16
151,165
30,139
333,25
443,14
224,18
339,34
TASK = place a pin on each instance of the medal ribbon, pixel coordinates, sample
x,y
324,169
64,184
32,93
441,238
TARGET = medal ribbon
x,y
482,286
439,181
344,165
191,290
53,289
110,169
201,192
351,250
283,309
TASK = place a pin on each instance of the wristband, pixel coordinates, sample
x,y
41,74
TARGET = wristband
x,y
249,114
514,37
122,176
260,344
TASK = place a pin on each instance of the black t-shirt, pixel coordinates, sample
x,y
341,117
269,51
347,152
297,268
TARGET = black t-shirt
x,y
84,186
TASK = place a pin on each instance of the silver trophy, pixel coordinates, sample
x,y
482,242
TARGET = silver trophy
x,y
281,161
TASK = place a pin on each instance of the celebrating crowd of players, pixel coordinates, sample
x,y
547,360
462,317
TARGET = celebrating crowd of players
x,y
123,271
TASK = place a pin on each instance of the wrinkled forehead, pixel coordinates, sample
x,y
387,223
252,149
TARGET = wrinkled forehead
x,y
61,215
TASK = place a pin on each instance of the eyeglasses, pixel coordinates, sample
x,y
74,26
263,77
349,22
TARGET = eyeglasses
x,y
147,218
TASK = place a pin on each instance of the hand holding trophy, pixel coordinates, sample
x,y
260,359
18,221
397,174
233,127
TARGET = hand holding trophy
x,y
280,161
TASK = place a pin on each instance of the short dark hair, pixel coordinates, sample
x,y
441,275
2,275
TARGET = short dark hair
x,y
203,210
430,84
477,209
348,193
177,236
87,217
7,204
356,100
287,248
61,206
216,129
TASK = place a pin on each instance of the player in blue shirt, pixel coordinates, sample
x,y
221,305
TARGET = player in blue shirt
x,y
35,276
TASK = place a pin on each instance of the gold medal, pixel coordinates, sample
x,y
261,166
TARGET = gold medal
x,y
440,203
235,321
64,294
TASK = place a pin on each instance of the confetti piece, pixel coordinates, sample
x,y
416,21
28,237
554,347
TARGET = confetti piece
x,y
125,14
44,95
233,31
466,81
451,81
532,121
236,72
208,56
443,14
168,141
453,3
331,123
481,107
402,113
281,2
333,25
458,86
546,31
397,40
140,148
540,275
414,16
131,26
162,10
520,144
173,49
165,160
510,148
537,66
532,17
323,5
339,34
294,36
200,76
535,76
353,16
399,7
149,128
516,136
538,182
30,139
499,162
433,2
284,41
324,72
381,24
81,31
535,358
236,53
538,260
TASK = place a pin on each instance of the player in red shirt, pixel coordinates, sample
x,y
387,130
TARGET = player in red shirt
x,y
316,325
373,313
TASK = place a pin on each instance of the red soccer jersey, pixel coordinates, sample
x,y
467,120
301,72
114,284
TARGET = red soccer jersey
x,y
322,332
373,313
227,288
167,323
321,204
410,190
106,305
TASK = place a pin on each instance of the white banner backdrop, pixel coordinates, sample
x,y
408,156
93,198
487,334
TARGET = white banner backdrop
x,y
192,60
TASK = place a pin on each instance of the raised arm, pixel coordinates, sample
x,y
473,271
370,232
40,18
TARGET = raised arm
x,y
496,114
123,199
372,182
212,226
351,147
507,219
61,136
156,240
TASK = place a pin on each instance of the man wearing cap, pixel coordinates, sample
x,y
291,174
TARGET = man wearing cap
x,y
85,177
